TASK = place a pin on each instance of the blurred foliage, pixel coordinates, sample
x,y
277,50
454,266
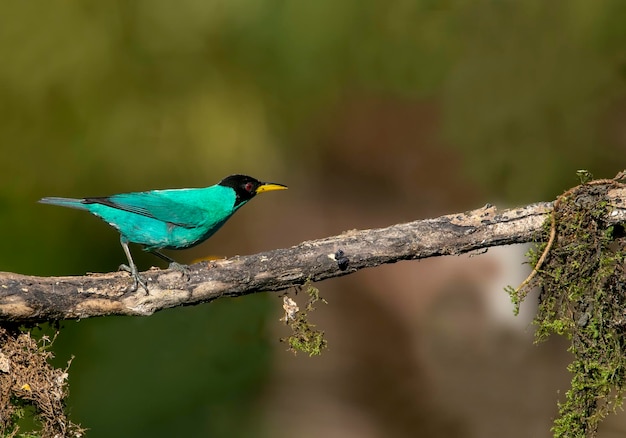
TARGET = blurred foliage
x,y
527,104
185,372
103,97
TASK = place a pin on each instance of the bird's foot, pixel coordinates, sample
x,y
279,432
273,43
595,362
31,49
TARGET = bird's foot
x,y
137,280
185,270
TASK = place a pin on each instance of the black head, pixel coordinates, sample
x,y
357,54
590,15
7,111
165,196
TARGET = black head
x,y
247,187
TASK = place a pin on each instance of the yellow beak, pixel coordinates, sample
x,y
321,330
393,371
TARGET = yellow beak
x,y
268,187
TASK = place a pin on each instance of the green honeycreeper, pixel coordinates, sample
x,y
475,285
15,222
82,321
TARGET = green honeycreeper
x,y
169,219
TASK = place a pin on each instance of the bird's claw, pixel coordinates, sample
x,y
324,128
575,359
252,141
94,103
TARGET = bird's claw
x,y
185,270
137,280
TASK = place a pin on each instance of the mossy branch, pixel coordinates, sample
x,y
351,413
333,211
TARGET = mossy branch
x,y
552,236
580,275
26,298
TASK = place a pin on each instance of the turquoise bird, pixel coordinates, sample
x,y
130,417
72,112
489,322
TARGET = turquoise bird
x,y
169,219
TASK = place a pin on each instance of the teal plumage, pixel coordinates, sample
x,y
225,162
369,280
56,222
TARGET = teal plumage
x,y
170,219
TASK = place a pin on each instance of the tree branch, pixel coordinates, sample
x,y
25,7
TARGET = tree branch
x,y
28,298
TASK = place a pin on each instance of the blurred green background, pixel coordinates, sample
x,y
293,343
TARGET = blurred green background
x,y
373,112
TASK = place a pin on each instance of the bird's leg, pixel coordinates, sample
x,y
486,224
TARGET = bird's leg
x,y
160,255
172,264
132,268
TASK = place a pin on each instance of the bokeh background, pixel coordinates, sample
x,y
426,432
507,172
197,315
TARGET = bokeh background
x,y
374,113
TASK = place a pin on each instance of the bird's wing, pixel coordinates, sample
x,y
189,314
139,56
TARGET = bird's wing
x,y
155,205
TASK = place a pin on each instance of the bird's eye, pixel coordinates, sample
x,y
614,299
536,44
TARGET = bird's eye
x,y
249,187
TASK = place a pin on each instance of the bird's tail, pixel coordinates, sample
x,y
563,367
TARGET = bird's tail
x,y
65,202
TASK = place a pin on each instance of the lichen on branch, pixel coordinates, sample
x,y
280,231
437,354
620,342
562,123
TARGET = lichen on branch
x,y
31,387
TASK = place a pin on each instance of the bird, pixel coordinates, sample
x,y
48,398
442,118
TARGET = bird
x,y
170,218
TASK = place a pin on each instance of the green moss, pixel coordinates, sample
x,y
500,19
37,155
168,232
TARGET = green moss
x,y
305,338
582,297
